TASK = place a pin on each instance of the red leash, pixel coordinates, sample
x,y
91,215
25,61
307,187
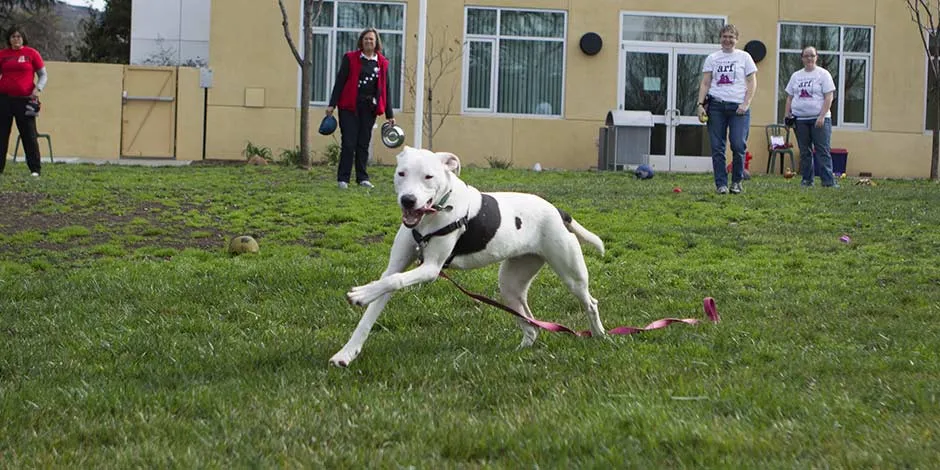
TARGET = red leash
x,y
709,303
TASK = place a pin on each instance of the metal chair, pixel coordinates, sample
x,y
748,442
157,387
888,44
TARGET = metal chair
x,y
774,149
38,136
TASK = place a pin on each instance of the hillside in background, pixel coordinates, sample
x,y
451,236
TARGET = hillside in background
x,y
54,30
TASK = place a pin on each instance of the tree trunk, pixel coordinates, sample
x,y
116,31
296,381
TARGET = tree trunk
x,y
935,144
428,122
306,83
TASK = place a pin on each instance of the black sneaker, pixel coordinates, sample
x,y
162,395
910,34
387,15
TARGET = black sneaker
x,y
736,188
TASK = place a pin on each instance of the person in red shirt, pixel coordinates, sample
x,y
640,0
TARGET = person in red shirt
x,y
362,93
19,96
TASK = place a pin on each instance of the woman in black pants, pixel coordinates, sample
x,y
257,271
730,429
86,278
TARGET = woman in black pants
x,y
361,91
19,96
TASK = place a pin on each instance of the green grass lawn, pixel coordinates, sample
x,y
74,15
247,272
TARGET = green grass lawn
x,y
129,338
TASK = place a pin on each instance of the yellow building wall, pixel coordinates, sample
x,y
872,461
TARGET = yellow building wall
x,y
255,92
189,114
81,111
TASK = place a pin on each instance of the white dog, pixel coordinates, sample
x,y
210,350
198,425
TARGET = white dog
x,y
446,222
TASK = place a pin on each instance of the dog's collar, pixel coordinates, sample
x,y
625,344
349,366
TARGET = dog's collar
x,y
440,204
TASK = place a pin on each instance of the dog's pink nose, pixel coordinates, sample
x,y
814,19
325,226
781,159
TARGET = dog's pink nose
x,y
408,201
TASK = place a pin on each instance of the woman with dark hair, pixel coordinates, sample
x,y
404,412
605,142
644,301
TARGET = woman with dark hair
x,y
810,92
361,91
19,96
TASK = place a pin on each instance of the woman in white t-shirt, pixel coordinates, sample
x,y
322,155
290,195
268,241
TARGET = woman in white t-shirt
x,y
809,96
729,81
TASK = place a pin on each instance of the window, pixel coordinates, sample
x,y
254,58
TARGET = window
x,y
336,32
845,51
681,29
514,61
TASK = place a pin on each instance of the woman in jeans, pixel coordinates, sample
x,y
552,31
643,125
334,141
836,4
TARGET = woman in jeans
x,y
729,82
361,91
809,96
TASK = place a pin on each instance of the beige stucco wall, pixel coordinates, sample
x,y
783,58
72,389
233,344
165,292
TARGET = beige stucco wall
x,y
189,114
255,92
81,111
591,85
250,58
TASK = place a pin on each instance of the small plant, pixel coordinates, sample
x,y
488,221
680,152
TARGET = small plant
x,y
496,162
331,154
252,150
291,157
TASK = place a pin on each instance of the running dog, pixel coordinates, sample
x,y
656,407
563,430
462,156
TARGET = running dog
x,y
448,223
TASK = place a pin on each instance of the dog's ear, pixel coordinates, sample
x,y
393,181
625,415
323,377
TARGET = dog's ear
x,y
450,161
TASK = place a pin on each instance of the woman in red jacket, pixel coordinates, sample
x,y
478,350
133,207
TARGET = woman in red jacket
x,y
361,91
19,96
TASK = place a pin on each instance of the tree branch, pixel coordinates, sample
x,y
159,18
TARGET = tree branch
x,y
290,40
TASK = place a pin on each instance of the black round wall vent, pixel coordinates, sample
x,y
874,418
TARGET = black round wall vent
x,y
757,50
591,43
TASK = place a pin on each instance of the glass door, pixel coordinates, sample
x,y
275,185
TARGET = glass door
x,y
691,147
645,86
664,80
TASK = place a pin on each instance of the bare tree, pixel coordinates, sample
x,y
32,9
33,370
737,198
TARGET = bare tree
x,y
42,24
443,57
926,14
311,11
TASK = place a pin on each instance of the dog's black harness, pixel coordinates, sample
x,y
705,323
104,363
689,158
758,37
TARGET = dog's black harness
x,y
479,230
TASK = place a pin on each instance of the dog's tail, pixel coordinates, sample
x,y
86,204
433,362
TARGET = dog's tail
x,y
584,235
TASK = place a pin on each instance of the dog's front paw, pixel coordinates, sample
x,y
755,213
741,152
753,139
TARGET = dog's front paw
x,y
343,358
363,295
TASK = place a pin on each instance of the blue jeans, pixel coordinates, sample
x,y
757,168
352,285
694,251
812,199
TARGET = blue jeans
x,y
810,137
723,120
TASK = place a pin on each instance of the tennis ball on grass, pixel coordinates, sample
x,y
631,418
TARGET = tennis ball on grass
x,y
242,244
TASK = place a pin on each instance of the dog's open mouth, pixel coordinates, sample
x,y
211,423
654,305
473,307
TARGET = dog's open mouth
x,y
411,217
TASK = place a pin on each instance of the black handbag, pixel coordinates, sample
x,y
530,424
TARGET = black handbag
x,y
32,107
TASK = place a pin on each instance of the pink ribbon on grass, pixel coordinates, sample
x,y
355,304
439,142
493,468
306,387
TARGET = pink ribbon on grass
x,y
711,313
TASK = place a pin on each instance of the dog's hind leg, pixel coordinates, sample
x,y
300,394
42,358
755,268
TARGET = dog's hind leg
x,y
515,277
568,263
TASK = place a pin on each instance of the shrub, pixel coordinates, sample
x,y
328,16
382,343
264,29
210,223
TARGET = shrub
x,y
252,150
496,162
291,157
331,154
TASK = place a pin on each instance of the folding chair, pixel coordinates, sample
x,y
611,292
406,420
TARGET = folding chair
x,y
778,143
38,136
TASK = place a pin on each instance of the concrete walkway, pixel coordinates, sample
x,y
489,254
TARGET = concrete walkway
x,y
124,161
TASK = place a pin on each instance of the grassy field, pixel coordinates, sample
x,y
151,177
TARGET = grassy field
x,y
129,338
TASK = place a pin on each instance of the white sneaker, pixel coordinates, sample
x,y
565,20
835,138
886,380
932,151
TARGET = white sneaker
x,y
366,184
34,174
722,190
343,185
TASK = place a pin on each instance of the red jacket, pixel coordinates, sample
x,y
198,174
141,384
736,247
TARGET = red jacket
x,y
347,99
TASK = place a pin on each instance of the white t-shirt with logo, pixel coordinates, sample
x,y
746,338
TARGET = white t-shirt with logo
x,y
729,74
808,90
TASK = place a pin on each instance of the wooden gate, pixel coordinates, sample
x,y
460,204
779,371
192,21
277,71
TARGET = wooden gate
x,y
148,128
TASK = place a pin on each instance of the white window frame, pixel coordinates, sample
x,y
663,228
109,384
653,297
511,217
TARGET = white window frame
x,y
494,61
331,31
843,55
